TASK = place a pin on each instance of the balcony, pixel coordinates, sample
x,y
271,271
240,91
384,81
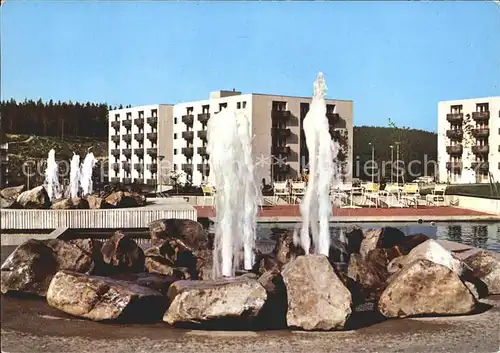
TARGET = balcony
x,y
151,181
481,133
127,180
455,134
281,150
454,165
139,167
482,166
454,150
115,166
139,152
283,133
127,123
282,168
139,122
127,138
481,149
202,151
127,152
153,167
203,168
114,180
126,166
455,118
115,138
481,116
152,136
139,137
152,120
115,124
188,135
333,118
188,151
153,152
281,115
188,168
188,120
115,152
202,134
203,118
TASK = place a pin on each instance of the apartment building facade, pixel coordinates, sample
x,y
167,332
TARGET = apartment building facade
x,y
139,138
276,123
469,140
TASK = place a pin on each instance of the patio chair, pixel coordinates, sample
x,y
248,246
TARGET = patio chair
x,y
410,194
280,189
208,195
390,195
436,197
298,190
371,192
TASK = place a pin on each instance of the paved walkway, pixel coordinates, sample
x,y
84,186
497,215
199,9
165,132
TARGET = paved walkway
x,y
285,213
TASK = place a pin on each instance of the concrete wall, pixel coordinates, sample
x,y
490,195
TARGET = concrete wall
x,y
476,203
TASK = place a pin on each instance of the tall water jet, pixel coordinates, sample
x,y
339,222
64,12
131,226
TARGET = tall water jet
x,y
237,196
315,207
86,173
74,176
52,177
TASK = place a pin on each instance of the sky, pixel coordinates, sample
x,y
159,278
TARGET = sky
x,y
394,59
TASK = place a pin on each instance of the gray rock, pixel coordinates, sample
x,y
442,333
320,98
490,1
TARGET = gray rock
x,y
101,298
285,249
190,232
11,192
386,237
227,302
426,288
317,298
7,203
486,268
36,198
122,253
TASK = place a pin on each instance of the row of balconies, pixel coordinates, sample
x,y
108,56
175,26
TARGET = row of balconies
x,y
129,180
152,167
458,149
189,119
139,122
139,152
457,118
139,137
474,165
458,134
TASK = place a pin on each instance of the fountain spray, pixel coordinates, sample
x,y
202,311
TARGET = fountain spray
x,y
232,166
74,176
315,207
52,177
86,173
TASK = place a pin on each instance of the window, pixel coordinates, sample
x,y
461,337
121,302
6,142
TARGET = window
x,y
154,113
175,150
238,105
117,117
244,104
482,107
175,167
330,108
141,114
189,110
129,116
205,109
175,136
222,105
279,106
456,109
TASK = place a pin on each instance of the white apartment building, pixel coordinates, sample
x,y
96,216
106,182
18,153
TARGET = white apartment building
x,y
139,137
469,140
276,123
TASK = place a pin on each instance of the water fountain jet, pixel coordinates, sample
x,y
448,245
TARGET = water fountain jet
x,y
74,176
86,173
52,177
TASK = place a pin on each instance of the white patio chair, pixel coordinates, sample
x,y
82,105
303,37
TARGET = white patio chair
x,y
390,195
410,194
371,192
436,197
208,195
298,190
280,190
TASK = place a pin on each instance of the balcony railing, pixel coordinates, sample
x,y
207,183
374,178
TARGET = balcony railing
x,y
139,122
453,165
188,151
455,134
188,168
115,124
151,181
115,151
281,115
115,138
114,180
188,135
453,150
455,118
152,136
188,120
281,150
482,132
281,132
139,152
127,152
153,167
127,180
202,134
127,138
202,151
127,123
203,168
484,166
126,165
115,166
481,149
153,152
153,120
139,137
139,166
481,116
333,118
203,118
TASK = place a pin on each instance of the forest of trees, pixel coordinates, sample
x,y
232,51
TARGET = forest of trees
x,y
57,119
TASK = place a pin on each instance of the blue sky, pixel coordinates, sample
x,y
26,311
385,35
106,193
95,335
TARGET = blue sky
x,y
394,59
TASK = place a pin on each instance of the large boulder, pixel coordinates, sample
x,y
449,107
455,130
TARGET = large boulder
x,y
287,248
102,298
188,231
96,202
386,237
61,204
485,267
158,282
169,256
122,253
226,303
12,192
354,236
125,199
36,198
32,265
317,298
370,276
426,288
205,264
266,263
8,203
